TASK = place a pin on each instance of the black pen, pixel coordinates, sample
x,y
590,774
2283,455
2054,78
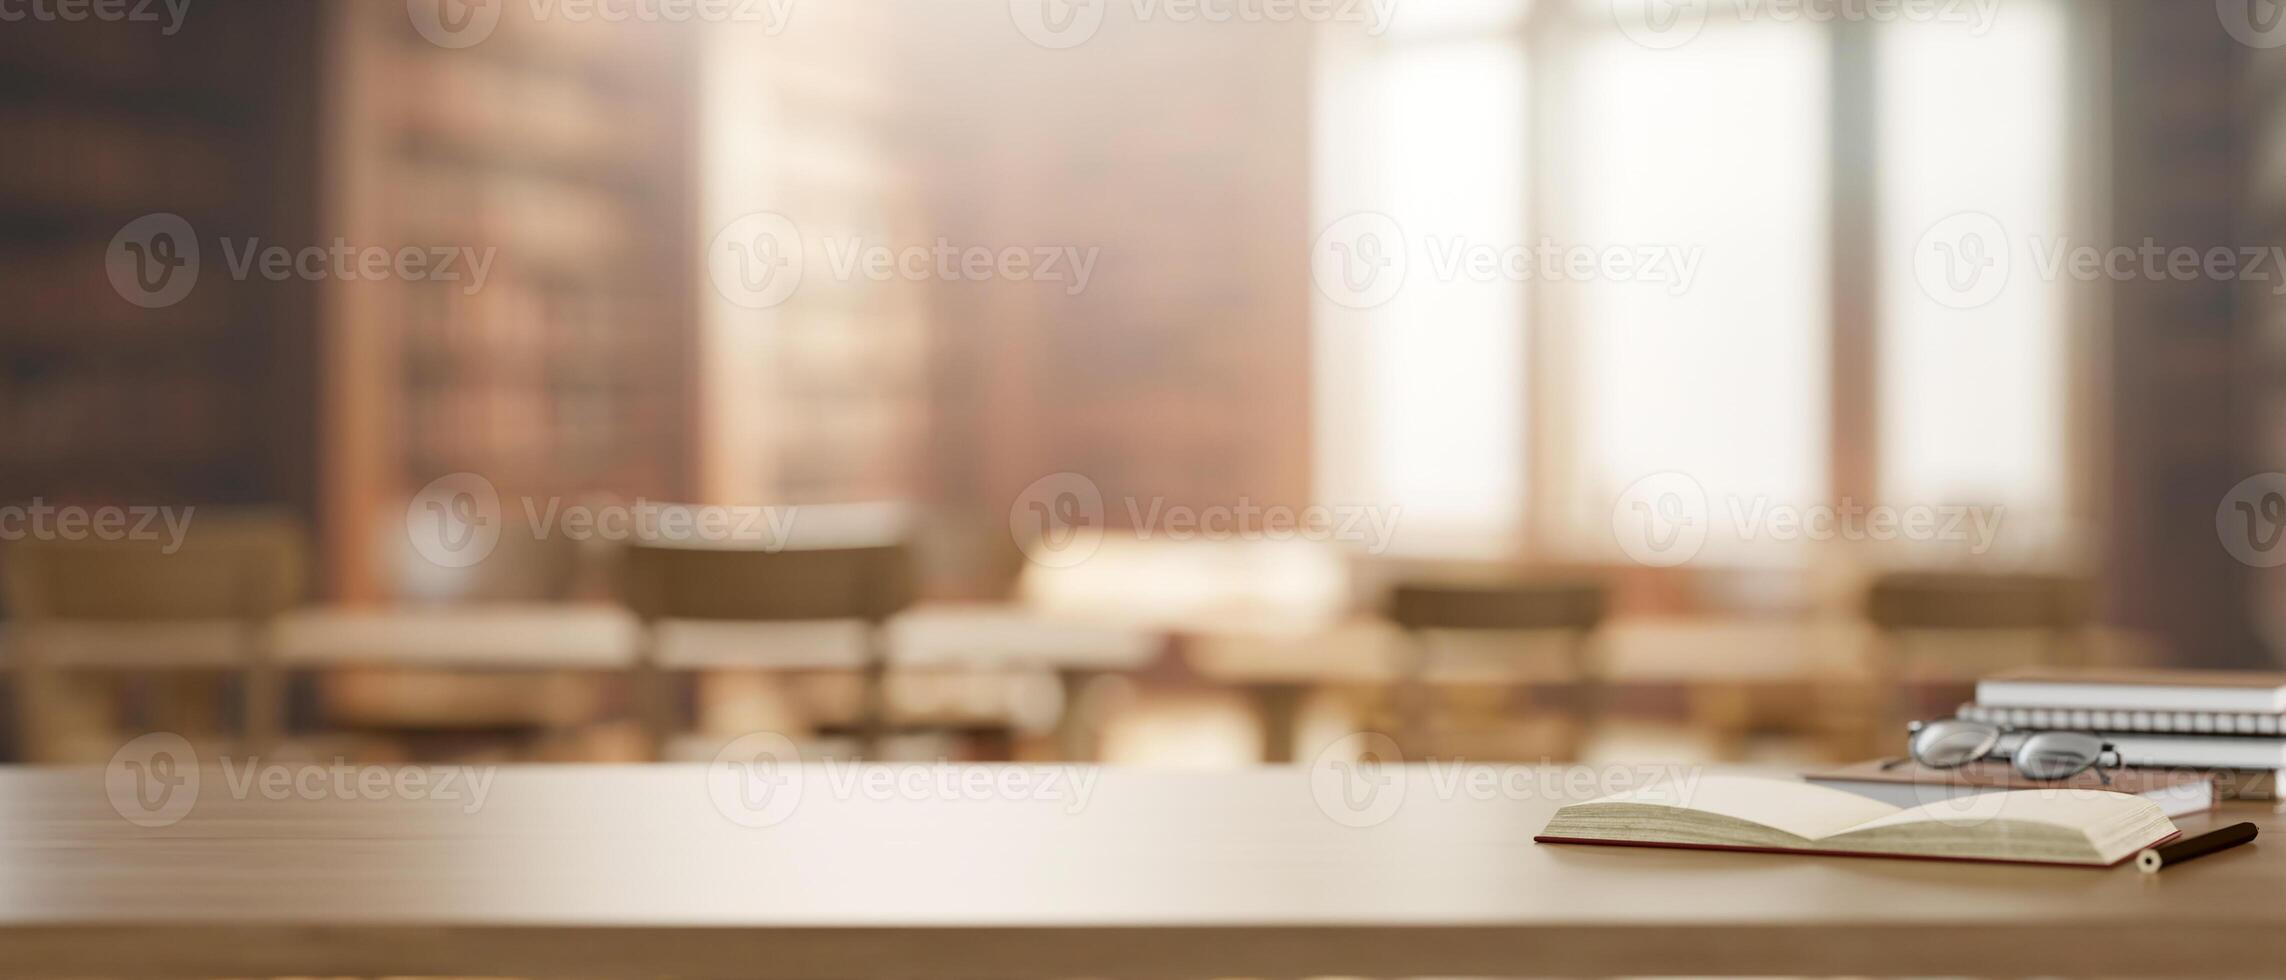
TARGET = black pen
x,y
2154,858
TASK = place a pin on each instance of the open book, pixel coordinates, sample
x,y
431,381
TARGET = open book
x,y
2049,826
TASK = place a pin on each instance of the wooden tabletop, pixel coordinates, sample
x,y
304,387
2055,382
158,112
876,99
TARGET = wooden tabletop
x,y
939,872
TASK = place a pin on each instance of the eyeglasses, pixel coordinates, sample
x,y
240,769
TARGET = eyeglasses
x,y
2042,755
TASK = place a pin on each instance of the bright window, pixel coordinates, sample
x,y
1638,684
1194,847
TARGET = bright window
x,y
1421,395
1973,355
1714,152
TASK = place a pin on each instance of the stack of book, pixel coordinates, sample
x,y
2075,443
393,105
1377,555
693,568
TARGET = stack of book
x,y
2230,722
2188,737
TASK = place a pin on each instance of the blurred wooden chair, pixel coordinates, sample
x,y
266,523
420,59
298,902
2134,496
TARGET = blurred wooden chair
x,y
1571,609
2052,610
525,567
500,651
837,597
131,607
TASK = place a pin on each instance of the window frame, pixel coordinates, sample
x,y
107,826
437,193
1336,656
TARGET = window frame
x,y
1548,29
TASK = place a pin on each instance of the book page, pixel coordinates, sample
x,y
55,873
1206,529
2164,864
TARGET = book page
x,y
1789,805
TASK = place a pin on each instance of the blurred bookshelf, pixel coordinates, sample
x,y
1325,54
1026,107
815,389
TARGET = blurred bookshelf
x,y
560,148
103,400
1181,373
822,398
2258,361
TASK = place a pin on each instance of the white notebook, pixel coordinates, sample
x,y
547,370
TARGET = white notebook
x,y
2134,690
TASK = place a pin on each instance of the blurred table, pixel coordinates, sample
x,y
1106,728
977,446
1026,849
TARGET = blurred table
x,y
1000,636
509,638
1716,659
566,636
487,636
603,871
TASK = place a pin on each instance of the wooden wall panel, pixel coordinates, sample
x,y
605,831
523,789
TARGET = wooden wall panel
x,y
2178,421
